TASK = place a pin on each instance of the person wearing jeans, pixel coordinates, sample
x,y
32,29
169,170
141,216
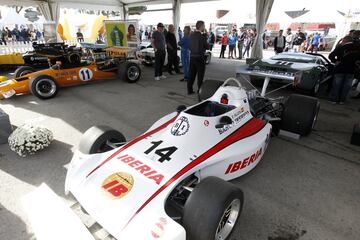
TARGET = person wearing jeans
x,y
185,52
341,86
345,57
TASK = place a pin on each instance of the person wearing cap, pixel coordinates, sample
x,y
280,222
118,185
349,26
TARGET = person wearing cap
x,y
198,46
158,43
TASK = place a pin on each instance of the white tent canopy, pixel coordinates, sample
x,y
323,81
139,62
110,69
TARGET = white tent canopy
x,y
331,16
12,18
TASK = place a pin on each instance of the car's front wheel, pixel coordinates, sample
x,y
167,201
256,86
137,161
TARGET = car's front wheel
x,y
130,72
43,87
212,210
99,139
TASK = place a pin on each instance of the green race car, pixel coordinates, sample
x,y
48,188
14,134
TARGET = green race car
x,y
306,71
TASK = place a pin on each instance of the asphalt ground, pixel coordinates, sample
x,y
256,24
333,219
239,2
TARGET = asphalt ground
x,y
302,189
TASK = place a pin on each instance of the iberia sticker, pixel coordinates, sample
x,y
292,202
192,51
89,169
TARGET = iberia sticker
x,y
118,184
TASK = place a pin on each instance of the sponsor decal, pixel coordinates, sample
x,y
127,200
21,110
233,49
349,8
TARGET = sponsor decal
x,y
180,127
236,117
206,123
85,74
142,168
118,184
234,167
158,230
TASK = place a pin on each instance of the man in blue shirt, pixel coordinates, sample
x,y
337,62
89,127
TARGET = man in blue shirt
x,y
315,42
232,44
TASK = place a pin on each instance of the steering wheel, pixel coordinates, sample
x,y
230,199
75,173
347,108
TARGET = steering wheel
x,y
231,80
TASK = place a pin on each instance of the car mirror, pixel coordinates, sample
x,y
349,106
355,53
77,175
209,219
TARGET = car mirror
x,y
225,120
180,108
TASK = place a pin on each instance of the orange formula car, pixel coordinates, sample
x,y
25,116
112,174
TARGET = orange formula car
x,y
45,84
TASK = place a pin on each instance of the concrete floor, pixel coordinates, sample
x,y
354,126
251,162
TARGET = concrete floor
x,y
302,189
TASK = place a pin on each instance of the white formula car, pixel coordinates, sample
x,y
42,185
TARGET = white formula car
x,y
171,181
146,55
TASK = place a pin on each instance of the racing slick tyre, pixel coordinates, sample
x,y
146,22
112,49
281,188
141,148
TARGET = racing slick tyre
x,y
99,139
256,81
300,114
208,88
212,210
43,87
315,90
129,71
23,70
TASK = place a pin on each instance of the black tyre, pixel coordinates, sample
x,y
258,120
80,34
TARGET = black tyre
x,y
208,58
74,58
208,88
23,70
315,90
257,81
300,114
212,210
129,71
98,139
43,87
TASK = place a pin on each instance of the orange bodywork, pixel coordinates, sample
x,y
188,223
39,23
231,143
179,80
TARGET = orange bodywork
x,y
83,74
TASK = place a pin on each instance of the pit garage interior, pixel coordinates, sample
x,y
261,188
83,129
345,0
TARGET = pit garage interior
x,y
303,189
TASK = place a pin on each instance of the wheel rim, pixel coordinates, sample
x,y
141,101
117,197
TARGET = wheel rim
x,y
45,87
23,73
133,73
228,220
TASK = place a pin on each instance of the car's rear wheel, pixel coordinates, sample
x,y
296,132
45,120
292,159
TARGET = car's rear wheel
x,y
43,87
99,139
300,114
129,71
316,88
212,210
23,70
208,88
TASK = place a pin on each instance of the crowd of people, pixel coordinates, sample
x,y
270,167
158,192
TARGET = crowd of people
x,y
193,47
242,41
21,34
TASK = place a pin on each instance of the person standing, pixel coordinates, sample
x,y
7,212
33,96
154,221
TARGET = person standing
x,y
315,41
279,42
172,50
2,36
240,40
185,52
289,40
248,43
198,45
211,40
224,43
79,36
298,40
346,57
232,44
158,43
180,34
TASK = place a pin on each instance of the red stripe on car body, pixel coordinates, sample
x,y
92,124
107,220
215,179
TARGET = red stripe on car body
x,y
133,142
250,128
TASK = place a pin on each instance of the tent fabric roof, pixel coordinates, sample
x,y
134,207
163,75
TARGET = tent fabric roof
x,y
13,18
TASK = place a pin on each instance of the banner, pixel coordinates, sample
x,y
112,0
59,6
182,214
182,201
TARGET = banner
x,y
50,32
122,33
